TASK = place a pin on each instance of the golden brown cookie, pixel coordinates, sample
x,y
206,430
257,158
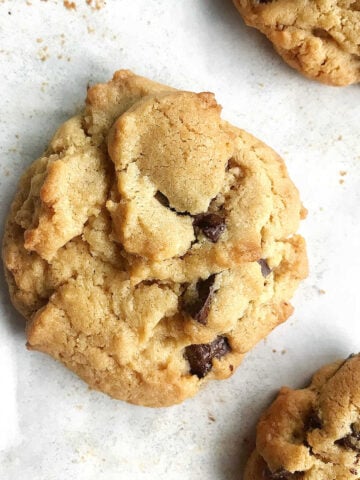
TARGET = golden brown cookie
x,y
320,38
152,245
314,433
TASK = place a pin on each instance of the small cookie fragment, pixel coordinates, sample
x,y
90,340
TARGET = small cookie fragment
x,y
321,39
312,433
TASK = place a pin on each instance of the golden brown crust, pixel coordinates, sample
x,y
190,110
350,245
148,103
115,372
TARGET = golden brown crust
x,y
312,433
107,274
320,38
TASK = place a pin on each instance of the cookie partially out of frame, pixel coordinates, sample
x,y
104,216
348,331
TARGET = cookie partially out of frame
x,y
314,433
320,38
152,245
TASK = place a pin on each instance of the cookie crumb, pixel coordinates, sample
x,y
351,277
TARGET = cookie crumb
x,y
43,54
343,173
39,40
341,181
211,417
96,4
283,352
69,5
321,291
340,137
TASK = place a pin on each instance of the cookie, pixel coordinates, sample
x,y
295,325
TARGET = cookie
x,y
320,38
153,244
314,433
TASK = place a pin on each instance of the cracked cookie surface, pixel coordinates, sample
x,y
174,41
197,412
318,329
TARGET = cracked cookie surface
x,y
153,244
320,38
312,433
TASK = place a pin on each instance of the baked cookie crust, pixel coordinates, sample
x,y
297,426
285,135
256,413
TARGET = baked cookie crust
x,y
319,38
153,244
312,433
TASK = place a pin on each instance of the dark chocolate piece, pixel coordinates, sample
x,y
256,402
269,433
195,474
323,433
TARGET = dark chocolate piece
x,y
351,441
282,474
199,310
211,224
161,198
265,269
200,356
321,33
313,422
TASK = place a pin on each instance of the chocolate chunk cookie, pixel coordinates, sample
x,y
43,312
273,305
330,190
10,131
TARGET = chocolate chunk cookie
x,y
312,433
320,38
152,245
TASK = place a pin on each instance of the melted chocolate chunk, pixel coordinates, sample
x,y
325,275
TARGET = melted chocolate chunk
x,y
282,474
351,441
264,1
200,356
199,310
313,422
353,471
265,269
211,224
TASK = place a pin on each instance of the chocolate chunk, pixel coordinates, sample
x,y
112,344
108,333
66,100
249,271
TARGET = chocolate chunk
x,y
282,474
199,310
353,471
161,198
200,356
313,422
265,269
321,33
211,224
351,441
264,1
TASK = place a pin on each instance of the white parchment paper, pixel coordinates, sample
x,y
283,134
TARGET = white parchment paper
x,y
52,427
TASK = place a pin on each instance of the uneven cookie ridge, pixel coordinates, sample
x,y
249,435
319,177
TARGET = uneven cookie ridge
x,y
312,433
320,38
145,327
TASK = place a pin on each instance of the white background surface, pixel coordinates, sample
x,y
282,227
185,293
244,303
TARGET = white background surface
x,y
51,426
